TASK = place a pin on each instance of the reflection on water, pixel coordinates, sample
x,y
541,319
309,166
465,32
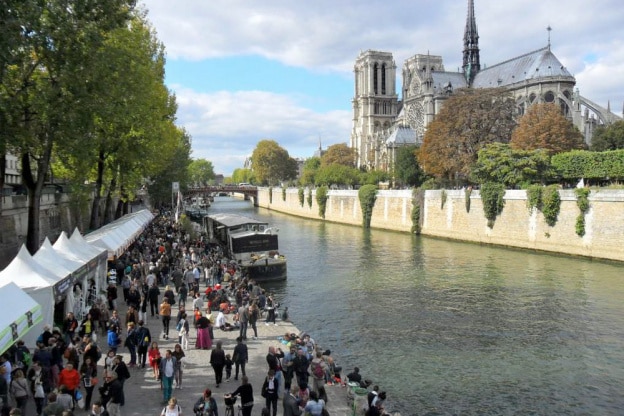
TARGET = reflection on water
x,y
453,328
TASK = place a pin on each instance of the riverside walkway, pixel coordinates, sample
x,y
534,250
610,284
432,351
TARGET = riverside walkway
x,y
143,393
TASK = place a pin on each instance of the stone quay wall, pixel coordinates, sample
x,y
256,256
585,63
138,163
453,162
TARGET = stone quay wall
x,y
57,214
516,226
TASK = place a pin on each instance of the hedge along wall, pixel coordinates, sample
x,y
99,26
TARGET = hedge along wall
x,y
516,226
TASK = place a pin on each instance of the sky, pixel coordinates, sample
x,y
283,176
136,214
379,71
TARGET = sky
x,y
245,71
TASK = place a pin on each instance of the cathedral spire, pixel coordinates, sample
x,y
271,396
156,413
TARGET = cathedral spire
x,y
471,64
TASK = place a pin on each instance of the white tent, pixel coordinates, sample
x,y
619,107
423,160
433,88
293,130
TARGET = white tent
x,y
68,249
65,268
38,283
97,264
20,314
117,236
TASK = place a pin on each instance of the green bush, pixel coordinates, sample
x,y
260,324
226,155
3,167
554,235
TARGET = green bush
x,y
582,201
492,197
321,199
443,197
418,200
270,194
310,197
467,193
300,194
551,204
367,195
534,197
283,194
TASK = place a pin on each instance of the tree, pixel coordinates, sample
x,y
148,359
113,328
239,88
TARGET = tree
x,y
544,127
498,162
407,171
271,163
201,172
242,175
42,89
174,169
337,174
609,137
469,119
339,154
373,177
310,168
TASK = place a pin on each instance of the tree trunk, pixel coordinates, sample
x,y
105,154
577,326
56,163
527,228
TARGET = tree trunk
x,y
34,187
2,174
94,223
108,208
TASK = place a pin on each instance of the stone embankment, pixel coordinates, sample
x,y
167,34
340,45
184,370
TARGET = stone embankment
x,y
459,215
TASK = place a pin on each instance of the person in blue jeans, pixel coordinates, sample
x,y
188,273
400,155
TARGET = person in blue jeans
x,y
167,373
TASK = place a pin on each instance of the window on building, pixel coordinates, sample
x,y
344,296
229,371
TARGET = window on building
x,y
383,79
549,97
375,78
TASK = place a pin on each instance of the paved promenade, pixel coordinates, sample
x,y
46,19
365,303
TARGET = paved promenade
x,y
143,394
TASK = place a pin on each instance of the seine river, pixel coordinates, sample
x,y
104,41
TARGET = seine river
x,y
449,328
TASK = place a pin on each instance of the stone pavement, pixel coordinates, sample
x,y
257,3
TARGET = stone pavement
x,y
143,393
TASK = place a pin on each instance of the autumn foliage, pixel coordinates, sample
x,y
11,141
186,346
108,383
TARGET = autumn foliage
x,y
544,127
469,120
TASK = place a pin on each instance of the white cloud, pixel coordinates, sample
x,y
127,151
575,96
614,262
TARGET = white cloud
x,y
226,126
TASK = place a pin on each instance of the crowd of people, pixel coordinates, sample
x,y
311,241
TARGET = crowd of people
x,y
162,268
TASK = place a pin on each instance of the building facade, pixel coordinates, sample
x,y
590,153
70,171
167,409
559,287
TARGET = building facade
x,y
382,123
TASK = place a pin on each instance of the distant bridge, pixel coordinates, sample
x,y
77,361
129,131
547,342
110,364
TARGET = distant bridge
x,y
249,191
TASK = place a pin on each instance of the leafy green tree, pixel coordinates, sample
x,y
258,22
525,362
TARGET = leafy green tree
x,y
43,92
339,154
310,167
469,120
174,169
373,177
609,137
242,175
544,127
407,171
271,163
201,172
337,174
498,162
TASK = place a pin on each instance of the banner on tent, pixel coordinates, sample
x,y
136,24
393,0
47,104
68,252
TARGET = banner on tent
x,y
19,327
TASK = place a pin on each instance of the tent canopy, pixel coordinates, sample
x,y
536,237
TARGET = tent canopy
x,y
117,236
20,314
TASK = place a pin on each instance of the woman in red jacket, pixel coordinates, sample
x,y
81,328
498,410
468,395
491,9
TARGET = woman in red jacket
x,y
70,378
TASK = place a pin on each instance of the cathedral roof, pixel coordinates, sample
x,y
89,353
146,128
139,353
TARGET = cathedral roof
x,y
441,80
531,66
402,135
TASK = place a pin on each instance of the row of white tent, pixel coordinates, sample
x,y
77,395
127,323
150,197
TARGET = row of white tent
x,y
52,274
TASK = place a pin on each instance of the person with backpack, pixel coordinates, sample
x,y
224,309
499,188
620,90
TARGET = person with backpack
x,y
143,339
318,367
172,408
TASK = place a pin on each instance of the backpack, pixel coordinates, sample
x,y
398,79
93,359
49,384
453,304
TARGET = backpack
x,y
180,325
317,370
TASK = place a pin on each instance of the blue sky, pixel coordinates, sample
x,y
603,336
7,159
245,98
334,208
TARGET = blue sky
x,y
244,71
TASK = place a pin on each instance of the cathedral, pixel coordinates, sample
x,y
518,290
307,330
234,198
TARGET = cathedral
x,y
382,122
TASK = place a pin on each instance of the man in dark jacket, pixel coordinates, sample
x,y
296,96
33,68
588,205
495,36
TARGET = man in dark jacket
x,y
152,295
240,356
143,340
112,394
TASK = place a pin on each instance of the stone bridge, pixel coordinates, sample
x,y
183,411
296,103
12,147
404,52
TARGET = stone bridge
x,y
249,191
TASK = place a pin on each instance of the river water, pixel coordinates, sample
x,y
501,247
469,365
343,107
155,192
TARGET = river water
x,y
449,328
